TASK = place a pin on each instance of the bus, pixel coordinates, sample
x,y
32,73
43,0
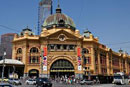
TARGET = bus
x,y
120,78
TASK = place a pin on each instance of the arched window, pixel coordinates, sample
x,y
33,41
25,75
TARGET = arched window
x,y
84,58
34,50
19,51
85,51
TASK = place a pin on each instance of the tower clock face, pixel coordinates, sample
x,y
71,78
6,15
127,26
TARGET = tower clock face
x,y
62,37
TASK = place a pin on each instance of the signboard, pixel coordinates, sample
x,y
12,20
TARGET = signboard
x,y
45,63
80,68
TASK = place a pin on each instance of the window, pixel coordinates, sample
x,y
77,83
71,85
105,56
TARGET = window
x,y
61,47
58,47
33,59
88,60
64,47
104,71
34,50
52,47
71,47
115,61
103,58
85,51
84,60
19,51
62,37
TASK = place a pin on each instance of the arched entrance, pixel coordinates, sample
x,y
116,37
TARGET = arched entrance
x,y
33,73
61,67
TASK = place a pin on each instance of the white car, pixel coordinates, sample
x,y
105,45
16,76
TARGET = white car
x,y
31,82
87,82
15,81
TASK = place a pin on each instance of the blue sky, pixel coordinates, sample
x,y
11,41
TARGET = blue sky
x,y
109,20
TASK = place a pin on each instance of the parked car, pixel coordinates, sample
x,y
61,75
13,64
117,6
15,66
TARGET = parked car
x,y
5,85
87,82
15,81
43,82
31,82
5,79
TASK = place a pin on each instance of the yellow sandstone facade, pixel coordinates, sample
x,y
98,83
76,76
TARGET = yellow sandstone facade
x,y
60,49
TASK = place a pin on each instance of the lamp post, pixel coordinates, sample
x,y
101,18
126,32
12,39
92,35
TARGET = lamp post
x,y
3,67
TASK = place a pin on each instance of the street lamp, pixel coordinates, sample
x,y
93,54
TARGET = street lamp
x,y
3,67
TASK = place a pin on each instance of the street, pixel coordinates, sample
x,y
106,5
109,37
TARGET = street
x,y
77,85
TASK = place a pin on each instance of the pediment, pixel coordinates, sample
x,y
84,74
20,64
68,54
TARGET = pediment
x,y
63,33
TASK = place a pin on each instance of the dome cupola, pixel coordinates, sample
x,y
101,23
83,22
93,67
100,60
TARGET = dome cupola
x,y
59,20
86,33
29,31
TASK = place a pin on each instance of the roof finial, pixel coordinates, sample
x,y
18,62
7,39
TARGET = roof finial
x,y
58,4
58,10
27,26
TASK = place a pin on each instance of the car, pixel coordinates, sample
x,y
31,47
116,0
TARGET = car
x,y
30,82
5,85
10,81
88,82
5,79
43,82
15,81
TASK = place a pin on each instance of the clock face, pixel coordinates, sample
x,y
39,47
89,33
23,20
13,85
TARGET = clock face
x,y
62,37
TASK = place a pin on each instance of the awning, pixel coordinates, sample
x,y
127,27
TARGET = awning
x,y
12,62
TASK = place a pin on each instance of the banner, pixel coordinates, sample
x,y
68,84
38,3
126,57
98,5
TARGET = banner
x,y
45,51
45,63
79,64
78,52
79,59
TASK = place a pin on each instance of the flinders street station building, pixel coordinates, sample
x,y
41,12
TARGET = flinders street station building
x,y
60,50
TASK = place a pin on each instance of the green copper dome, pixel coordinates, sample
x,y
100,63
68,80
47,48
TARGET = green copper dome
x,y
60,20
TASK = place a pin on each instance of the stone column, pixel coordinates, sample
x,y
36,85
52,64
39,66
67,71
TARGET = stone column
x,y
120,64
108,64
99,63
126,67
111,65
93,60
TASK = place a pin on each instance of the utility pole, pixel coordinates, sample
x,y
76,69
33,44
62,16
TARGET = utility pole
x,y
3,67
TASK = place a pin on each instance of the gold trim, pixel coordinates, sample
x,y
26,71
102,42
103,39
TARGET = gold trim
x,y
61,70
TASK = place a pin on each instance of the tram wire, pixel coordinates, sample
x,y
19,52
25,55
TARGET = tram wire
x,y
6,27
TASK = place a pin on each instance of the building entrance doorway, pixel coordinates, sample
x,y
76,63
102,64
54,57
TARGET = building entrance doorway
x,y
61,68
33,73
